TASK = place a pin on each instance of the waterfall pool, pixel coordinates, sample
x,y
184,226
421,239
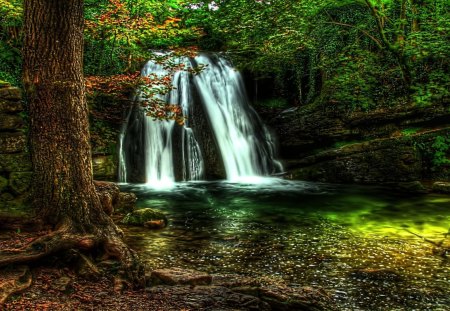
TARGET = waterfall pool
x,y
362,245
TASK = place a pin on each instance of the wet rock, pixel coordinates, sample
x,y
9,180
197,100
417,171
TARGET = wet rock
x,y
178,276
303,298
377,275
441,187
108,193
126,202
208,298
10,93
19,162
10,122
13,281
278,295
410,187
20,181
12,142
142,216
155,224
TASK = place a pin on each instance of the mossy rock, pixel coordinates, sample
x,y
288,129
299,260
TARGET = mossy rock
x,y
12,142
10,93
4,84
146,217
10,122
3,183
20,181
7,106
441,187
104,167
16,162
126,203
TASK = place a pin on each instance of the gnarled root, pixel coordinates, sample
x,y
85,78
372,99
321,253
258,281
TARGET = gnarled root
x,y
62,240
14,281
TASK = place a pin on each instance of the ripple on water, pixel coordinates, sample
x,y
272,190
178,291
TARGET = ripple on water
x,y
354,242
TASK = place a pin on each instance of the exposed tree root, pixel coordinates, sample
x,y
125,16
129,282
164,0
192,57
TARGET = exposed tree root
x,y
14,281
62,240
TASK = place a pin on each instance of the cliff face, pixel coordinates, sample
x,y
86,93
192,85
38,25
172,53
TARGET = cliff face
x,y
391,145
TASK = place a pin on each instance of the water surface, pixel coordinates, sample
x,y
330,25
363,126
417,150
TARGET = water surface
x,y
304,233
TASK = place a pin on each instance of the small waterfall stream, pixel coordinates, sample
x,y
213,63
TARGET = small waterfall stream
x,y
160,152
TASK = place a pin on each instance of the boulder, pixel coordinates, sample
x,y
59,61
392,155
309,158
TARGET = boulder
x,y
179,276
140,217
18,162
126,202
441,187
12,142
20,181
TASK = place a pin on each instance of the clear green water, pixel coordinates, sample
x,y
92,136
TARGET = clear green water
x,y
306,234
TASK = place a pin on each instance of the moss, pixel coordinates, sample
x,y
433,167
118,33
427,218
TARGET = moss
x,y
20,181
142,216
3,183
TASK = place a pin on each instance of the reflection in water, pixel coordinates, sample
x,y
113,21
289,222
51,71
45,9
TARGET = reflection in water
x,y
306,234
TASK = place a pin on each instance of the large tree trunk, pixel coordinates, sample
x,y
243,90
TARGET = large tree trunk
x,y
59,132
64,193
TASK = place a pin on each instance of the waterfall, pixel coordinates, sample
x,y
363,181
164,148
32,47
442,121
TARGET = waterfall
x,y
221,131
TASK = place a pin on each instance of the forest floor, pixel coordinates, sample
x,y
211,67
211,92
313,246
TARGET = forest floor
x,y
57,286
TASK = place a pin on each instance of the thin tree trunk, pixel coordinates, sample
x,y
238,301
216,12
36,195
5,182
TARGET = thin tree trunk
x,y
402,26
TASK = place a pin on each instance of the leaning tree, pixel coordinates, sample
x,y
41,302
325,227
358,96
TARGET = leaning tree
x,y
64,194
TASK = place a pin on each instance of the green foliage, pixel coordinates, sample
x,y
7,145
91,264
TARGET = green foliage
x,y
410,131
441,148
120,34
349,54
10,41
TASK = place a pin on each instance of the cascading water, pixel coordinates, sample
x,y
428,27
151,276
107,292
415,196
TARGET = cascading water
x,y
159,152
245,144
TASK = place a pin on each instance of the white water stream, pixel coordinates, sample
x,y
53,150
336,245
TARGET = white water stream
x,y
246,146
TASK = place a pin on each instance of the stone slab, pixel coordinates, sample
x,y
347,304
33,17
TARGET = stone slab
x,y
179,276
12,142
16,162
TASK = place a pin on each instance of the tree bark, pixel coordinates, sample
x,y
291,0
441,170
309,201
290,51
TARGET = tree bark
x,y
64,193
59,132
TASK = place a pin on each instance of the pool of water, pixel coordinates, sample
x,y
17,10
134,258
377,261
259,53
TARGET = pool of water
x,y
362,244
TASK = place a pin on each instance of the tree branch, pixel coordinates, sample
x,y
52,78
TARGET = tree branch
x,y
377,42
